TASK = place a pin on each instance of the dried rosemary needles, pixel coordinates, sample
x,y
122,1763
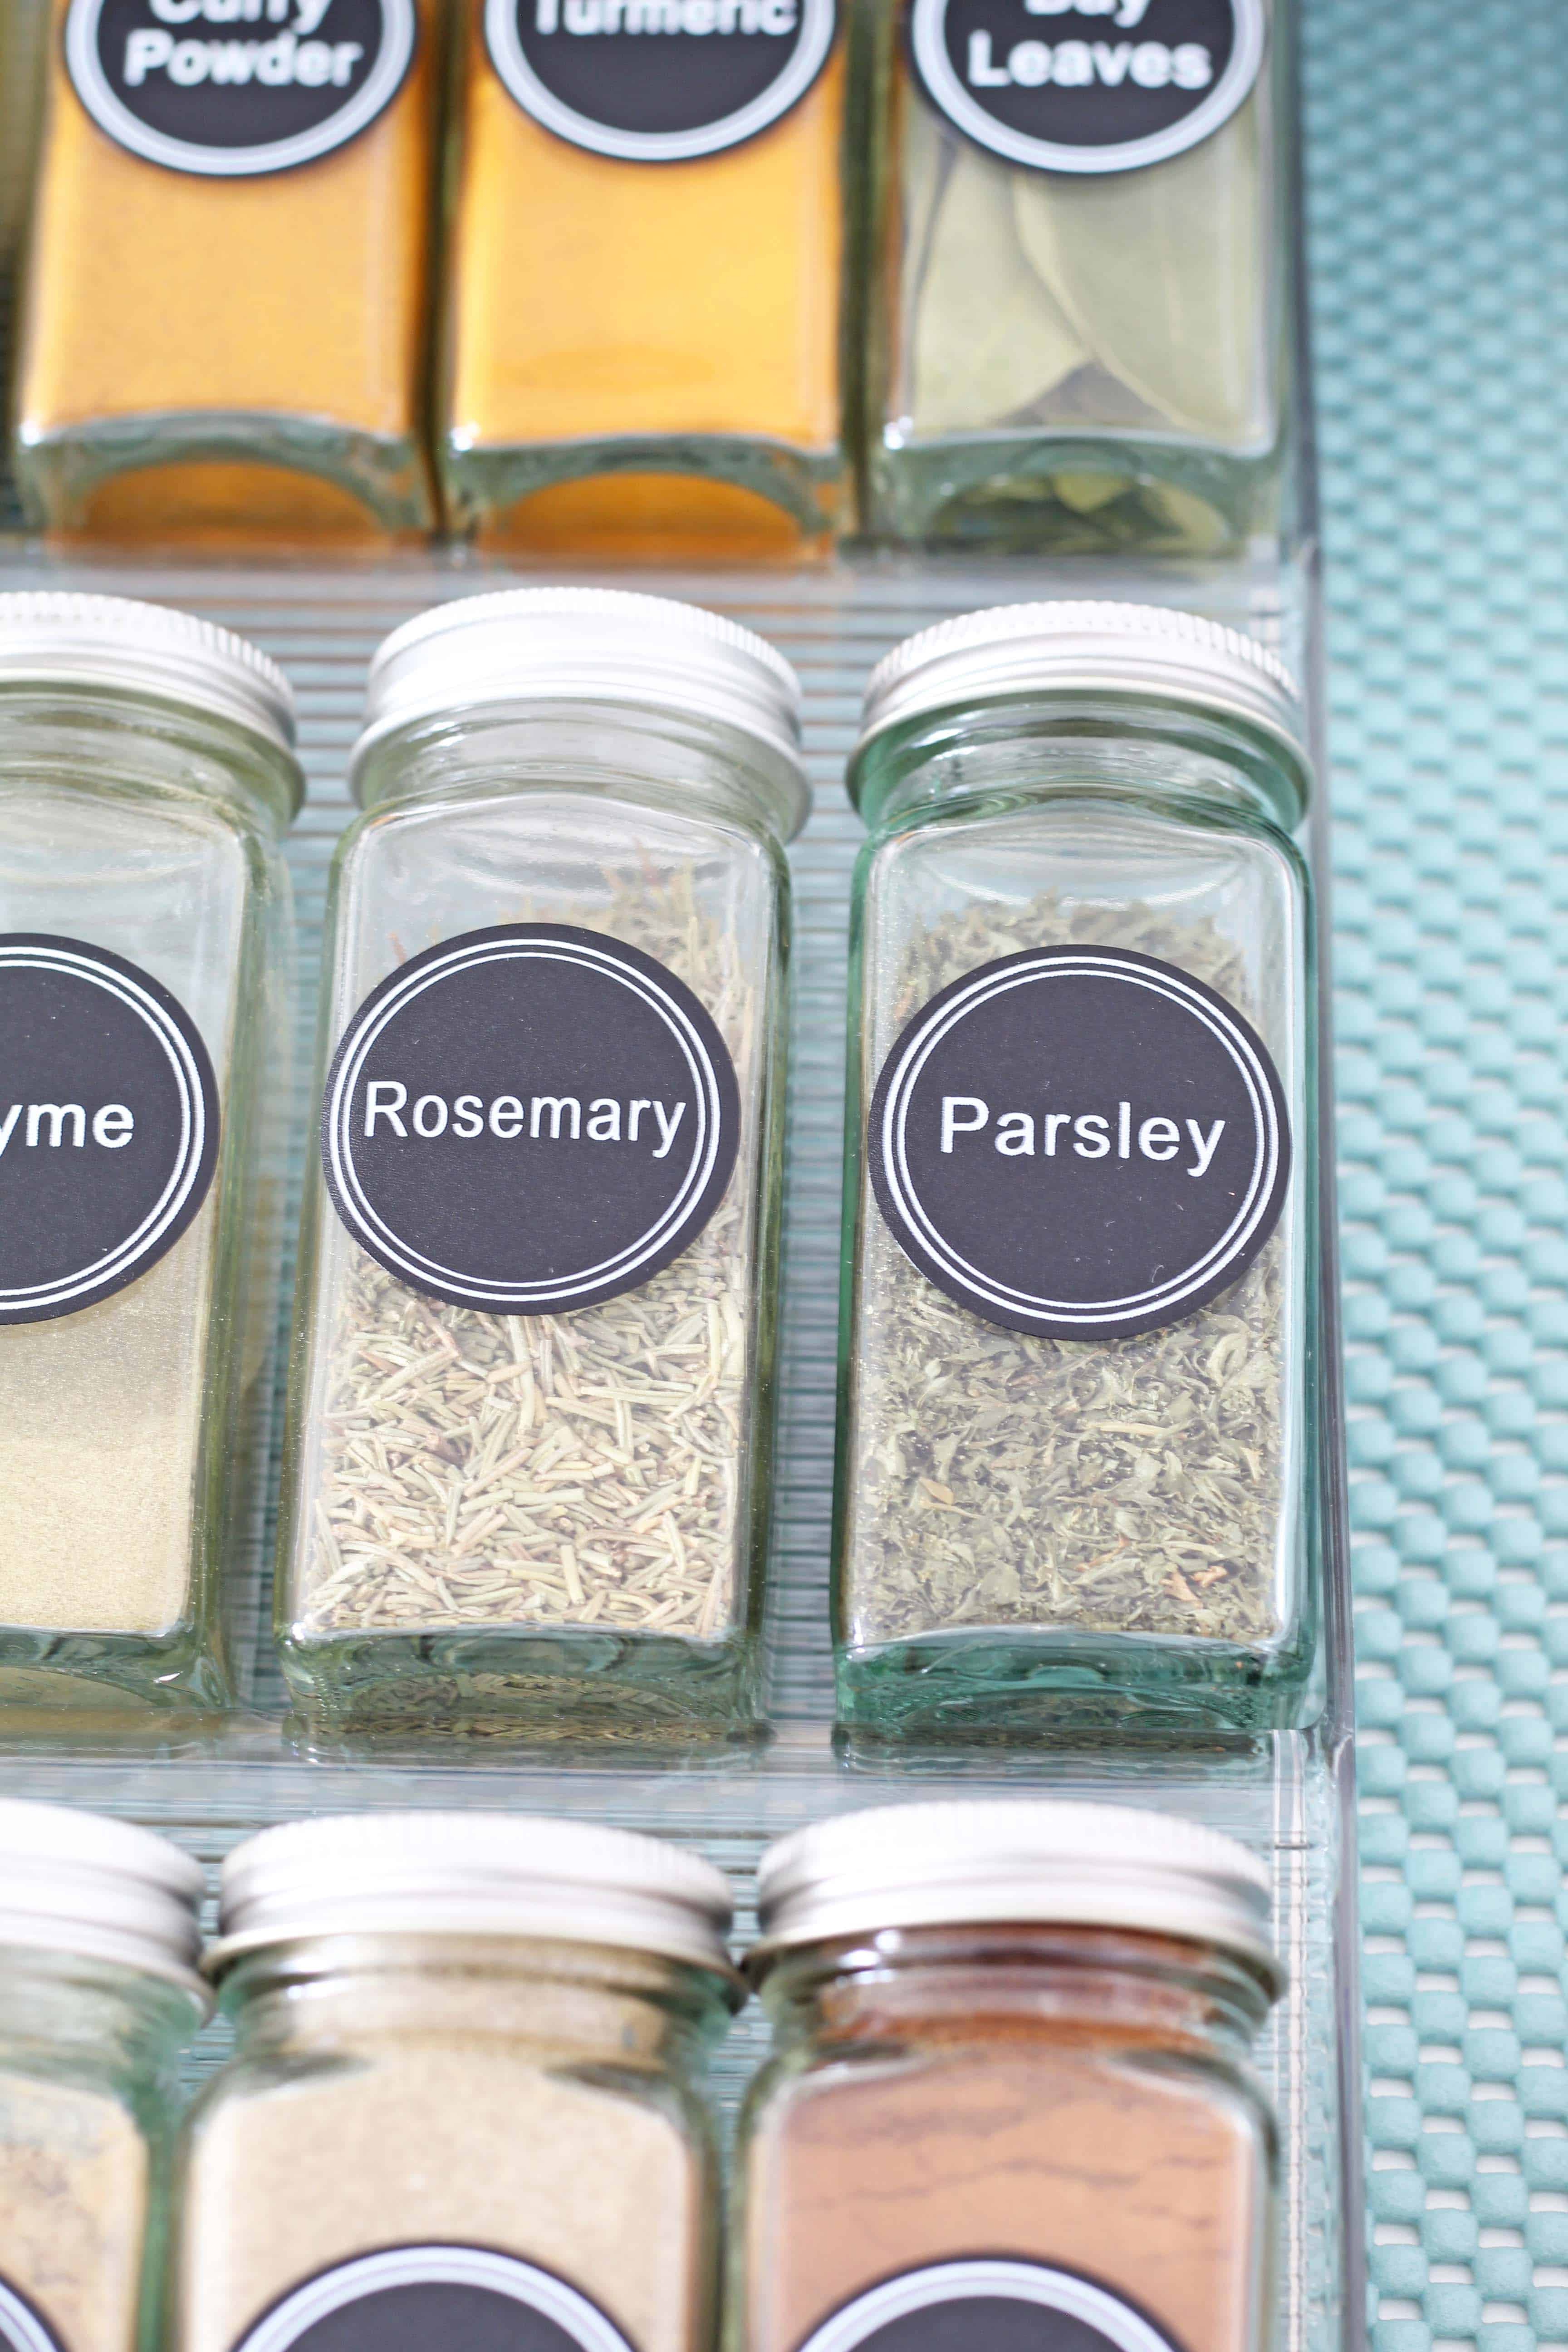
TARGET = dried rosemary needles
x,y
1003,1479
585,1469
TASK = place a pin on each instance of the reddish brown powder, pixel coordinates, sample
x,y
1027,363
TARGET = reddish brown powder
x,y
1094,2145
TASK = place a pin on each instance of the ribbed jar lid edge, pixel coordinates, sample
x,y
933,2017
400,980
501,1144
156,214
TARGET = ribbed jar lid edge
x,y
1014,1860
1087,645
67,636
85,1885
623,647
502,603
534,1877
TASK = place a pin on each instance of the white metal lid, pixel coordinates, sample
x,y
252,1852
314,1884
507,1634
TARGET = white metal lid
x,y
591,645
1015,1860
100,1889
1087,648
478,1874
59,636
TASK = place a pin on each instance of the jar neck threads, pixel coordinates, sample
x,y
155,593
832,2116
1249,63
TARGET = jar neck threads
x,y
616,751
633,2008
89,737
1047,1982
121,2022
1032,746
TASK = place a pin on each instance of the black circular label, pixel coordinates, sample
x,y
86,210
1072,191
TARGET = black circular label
x,y
658,81
109,1125
23,2328
529,1119
424,2298
231,87
1080,1142
1086,85
991,2300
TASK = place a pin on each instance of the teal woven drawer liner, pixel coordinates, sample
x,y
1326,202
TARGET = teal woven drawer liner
x,y
1438,162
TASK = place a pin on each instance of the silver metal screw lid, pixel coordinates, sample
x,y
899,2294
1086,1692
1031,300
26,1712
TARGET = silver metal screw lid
x,y
436,1874
101,1890
1087,648
1015,1860
57,636
527,646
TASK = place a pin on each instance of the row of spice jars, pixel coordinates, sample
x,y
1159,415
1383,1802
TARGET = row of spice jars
x,y
700,264
527,1467
1010,2088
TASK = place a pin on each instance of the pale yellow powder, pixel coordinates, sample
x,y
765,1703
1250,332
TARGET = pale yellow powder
x,y
100,1431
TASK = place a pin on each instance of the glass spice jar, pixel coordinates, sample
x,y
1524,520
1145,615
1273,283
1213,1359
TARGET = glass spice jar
x,y
529,1467
662,373
98,1953
224,334
147,779
1080,1407
468,2099
1081,272
1010,2099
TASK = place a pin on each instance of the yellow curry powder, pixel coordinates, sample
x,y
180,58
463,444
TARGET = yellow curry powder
x,y
642,352
204,353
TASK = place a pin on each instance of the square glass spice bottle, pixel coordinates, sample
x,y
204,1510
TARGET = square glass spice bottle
x,y
1079,1427
99,1996
225,335
147,779
1081,286
528,1474
1011,2099
657,371
467,2102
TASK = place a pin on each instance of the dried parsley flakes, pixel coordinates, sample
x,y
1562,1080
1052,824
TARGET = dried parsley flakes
x,y
1000,1479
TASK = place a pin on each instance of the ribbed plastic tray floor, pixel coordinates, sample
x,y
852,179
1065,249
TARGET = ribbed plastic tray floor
x,y
1438,155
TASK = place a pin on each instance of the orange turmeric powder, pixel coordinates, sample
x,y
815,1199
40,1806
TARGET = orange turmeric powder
x,y
224,320
643,278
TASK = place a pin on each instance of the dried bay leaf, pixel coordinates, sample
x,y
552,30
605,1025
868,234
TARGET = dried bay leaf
x,y
1161,273
989,337
928,155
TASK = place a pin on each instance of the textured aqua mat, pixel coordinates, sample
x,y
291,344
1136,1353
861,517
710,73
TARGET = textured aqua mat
x,y
1439,158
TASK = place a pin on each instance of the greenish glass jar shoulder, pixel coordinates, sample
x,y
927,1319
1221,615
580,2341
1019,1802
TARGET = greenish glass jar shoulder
x,y
488,2115
1035,1528
151,835
621,1596
88,2100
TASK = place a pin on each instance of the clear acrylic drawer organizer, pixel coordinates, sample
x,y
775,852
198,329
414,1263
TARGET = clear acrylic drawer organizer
x,y
1288,1795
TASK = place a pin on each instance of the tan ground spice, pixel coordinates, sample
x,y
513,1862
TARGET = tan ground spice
x,y
100,1437
463,2111
73,2210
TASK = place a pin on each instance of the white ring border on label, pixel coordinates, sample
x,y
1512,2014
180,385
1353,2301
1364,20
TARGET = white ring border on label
x,y
172,1200
705,1148
22,2324
1076,2299
503,2275
377,92
892,1142
927,37
506,51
